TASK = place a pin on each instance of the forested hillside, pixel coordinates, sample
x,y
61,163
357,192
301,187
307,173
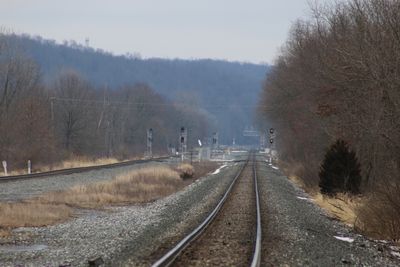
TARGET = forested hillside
x,y
71,116
227,91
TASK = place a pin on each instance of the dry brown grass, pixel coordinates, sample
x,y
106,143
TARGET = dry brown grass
x,y
299,182
200,169
379,216
185,170
73,162
376,214
4,233
342,207
31,214
77,162
15,172
137,186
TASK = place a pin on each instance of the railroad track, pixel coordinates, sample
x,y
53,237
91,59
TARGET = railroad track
x,y
78,169
231,234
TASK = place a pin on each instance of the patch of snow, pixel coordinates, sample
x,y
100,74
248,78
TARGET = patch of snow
x,y
381,241
222,160
219,169
23,248
346,239
273,167
303,198
306,199
396,254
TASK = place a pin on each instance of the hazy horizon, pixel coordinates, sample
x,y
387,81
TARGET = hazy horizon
x,y
228,30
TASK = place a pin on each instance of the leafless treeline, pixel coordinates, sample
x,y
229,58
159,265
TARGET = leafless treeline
x,y
46,124
338,76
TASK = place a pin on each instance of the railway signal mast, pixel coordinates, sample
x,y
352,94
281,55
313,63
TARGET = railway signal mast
x,y
215,140
183,141
271,143
262,141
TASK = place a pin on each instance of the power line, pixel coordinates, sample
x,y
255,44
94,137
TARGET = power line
x,y
120,103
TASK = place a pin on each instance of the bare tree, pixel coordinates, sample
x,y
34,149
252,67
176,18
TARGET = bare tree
x,y
72,111
338,77
19,77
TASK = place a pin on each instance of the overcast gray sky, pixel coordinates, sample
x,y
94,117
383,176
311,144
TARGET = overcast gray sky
x,y
251,30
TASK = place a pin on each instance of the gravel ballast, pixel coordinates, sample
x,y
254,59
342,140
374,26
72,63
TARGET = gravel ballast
x,y
296,232
119,235
229,239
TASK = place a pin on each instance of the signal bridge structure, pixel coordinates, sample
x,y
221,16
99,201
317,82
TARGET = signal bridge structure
x,y
251,132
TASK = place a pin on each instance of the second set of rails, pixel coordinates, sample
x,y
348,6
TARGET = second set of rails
x,y
231,233
80,169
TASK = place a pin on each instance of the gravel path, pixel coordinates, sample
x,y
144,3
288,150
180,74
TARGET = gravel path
x,y
22,189
229,240
299,233
122,236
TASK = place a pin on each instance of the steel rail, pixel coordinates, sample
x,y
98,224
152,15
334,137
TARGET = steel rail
x,y
172,254
257,249
78,169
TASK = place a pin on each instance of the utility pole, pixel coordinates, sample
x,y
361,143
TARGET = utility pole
x,y
52,111
150,143
191,156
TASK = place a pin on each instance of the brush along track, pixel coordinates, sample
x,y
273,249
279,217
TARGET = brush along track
x,y
234,236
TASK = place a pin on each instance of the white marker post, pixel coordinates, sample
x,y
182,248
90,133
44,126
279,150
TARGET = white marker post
x,y
29,167
5,167
200,149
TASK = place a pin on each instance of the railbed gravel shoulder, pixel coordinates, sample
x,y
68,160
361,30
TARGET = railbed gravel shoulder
x,y
299,233
121,236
